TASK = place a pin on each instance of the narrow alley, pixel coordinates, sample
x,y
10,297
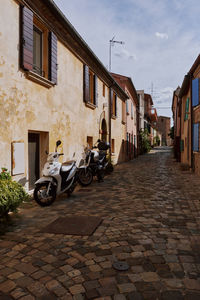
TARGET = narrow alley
x,y
150,220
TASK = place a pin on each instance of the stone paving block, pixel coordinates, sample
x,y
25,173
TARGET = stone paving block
x,y
77,289
17,293
38,289
192,284
24,281
126,288
7,286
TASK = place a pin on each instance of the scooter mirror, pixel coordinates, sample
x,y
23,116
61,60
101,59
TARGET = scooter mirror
x,y
58,143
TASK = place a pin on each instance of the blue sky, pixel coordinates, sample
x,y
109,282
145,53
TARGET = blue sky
x,y
161,38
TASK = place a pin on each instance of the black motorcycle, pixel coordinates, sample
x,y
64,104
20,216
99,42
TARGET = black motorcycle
x,y
96,163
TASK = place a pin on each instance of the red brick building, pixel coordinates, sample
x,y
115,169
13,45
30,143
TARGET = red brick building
x,y
163,126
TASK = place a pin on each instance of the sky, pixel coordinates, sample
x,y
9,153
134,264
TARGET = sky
x,y
161,40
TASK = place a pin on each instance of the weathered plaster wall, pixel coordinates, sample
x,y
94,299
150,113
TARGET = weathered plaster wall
x,y
27,106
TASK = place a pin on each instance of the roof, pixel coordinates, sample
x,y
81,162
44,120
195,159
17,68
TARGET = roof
x,y
121,79
147,97
186,80
67,34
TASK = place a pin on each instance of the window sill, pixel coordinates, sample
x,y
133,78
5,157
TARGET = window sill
x,y
90,105
39,79
114,117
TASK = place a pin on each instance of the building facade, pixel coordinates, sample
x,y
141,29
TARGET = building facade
x,y
189,106
163,126
130,116
52,86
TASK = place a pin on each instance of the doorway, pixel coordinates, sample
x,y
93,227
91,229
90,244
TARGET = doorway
x,y
103,130
33,158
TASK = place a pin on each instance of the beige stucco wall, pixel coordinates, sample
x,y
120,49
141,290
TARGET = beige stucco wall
x,y
27,106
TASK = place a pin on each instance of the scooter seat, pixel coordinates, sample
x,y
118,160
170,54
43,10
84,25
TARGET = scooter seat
x,y
66,166
69,162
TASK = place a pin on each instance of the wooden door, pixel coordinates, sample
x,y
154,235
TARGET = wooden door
x,y
33,158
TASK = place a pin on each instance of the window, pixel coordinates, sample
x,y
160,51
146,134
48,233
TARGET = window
x,y
195,92
37,51
38,48
127,110
90,141
114,104
104,90
90,91
123,112
113,146
131,110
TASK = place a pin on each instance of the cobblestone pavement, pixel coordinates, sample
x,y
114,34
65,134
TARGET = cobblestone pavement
x,y
150,212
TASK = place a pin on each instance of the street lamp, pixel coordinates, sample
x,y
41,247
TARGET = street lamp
x,y
112,42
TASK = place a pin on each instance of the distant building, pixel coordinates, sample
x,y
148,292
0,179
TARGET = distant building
x,y
163,126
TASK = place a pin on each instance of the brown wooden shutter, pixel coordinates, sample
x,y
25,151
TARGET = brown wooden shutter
x,y
111,102
116,105
86,84
53,57
95,90
26,44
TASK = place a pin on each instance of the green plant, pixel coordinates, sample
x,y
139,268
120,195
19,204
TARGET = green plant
x,y
145,145
5,174
12,194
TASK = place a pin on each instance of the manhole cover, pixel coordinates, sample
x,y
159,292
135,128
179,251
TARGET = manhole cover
x,y
74,225
121,266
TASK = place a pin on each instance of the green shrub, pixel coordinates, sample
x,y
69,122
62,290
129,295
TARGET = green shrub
x,y
4,175
145,145
12,194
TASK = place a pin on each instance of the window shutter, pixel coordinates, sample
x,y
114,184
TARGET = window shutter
x,y
181,145
195,92
86,84
53,57
95,90
186,109
196,137
111,101
26,38
116,105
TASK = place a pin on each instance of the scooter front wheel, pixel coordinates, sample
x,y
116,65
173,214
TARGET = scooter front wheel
x,y
42,197
85,176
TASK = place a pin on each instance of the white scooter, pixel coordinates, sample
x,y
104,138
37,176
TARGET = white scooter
x,y
57,179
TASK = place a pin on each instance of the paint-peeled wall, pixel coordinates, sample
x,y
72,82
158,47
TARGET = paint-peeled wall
x,y
25,106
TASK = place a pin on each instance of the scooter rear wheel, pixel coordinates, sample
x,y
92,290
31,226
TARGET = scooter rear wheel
x,y
40,194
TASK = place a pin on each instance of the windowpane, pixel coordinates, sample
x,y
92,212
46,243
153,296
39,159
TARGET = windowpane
x,y
37,50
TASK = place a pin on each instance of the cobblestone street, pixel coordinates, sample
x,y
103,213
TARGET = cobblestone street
x,y
150,211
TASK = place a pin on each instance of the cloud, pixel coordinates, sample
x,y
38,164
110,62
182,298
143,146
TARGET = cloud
x,y
125,54
161,35
136,23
